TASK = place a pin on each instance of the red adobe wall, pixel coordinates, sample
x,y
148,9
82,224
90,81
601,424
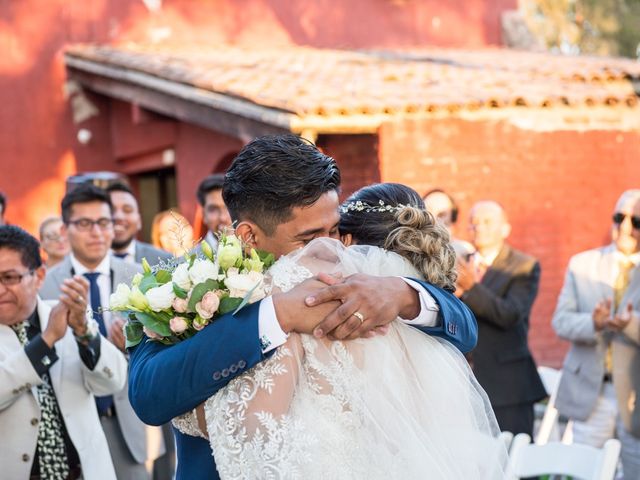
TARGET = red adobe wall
x,y
38,149
558,188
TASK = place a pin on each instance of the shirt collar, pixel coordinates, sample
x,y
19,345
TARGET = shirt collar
x,y
634,258
103,268
130,251
488,259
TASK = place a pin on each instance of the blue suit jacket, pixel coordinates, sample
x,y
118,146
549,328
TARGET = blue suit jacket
x,y
167,381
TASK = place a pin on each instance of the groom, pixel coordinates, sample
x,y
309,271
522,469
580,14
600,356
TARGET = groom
x,y
282,192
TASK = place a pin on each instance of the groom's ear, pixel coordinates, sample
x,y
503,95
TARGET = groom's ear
x,y
247,232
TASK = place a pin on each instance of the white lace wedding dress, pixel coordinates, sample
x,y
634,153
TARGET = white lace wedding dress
x,y
400,406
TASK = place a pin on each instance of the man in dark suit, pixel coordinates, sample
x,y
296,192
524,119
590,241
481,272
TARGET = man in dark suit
x,y
499,284
126,225
283,192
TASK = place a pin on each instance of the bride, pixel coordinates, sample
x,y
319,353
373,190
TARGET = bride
x,y
400,405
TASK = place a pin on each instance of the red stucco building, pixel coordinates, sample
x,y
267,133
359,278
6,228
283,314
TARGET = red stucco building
x,y
181,89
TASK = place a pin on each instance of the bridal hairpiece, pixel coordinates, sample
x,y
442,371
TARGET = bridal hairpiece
x,y
361,206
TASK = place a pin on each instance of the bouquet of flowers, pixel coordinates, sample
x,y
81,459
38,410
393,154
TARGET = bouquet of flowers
x,y
173,301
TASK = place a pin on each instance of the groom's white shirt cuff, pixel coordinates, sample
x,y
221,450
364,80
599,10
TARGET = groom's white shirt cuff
x,y
272,336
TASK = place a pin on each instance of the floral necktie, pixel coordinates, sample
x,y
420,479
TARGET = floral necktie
x,y
52,453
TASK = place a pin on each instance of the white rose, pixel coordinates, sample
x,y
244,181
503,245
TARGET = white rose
x,y
203,270
180,276
160,298
120,298
240,285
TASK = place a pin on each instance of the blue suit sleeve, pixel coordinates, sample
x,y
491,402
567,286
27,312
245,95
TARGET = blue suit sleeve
x,y
167,381
457,324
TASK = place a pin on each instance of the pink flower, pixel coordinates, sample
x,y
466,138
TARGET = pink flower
x,y
180,305
178,325
199,323
151,334
208,305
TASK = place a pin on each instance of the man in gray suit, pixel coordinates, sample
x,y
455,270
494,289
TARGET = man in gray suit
x,y
126,225
595,312
88,224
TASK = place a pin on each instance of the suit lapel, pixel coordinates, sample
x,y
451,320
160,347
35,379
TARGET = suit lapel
x,y
55,372
605,272
494,272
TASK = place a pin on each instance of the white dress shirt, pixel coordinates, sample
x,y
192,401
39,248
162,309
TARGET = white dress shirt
x,y
272,335
104,283
131,253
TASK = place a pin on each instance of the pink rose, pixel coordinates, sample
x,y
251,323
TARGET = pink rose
x,y
208,305
151,334
178,325
199,323
180,305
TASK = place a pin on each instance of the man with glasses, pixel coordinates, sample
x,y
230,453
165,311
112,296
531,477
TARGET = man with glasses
x,y
127,224
595,312
88,224
52,363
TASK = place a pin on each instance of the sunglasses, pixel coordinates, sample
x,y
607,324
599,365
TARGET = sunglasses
x,y
618,218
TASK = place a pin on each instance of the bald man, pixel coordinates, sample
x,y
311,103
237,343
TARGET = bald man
x,y
499,284
444,208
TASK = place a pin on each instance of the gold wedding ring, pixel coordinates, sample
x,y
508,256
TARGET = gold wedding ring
x,y
359,316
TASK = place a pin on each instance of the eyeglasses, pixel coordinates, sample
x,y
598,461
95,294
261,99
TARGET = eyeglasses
x,y
86,224
53,237
618,218
9,279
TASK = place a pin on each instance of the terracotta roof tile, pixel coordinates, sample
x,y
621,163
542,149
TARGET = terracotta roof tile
x,y
308,81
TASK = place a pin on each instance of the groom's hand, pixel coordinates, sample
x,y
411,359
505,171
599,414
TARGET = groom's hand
x,y
294,315
379,301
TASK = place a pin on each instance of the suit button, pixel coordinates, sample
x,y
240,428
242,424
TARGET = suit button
x,y
25,457
233,368
15,391
225,372
216,376
34,421
242,364
28,385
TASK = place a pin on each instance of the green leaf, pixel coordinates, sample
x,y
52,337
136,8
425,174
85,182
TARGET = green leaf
x,y
154,323
180,292
133,332
199,290
148,281
163,276
267,258
229,304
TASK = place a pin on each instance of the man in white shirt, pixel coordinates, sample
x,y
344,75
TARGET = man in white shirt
x,y
597,312
52,363
88,224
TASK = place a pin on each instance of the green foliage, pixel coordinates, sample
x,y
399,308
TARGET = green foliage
x,y
199,290
229,304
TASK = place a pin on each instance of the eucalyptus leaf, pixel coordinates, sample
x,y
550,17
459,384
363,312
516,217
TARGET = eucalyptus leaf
x,y
246,298
199,290
267,258
154,323
229,304
148,281
133,333
180,292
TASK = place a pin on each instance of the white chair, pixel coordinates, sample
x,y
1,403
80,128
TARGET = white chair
x,y
578,461
507,438
549,428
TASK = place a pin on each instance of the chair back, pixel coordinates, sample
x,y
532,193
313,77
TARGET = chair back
x,y
578,461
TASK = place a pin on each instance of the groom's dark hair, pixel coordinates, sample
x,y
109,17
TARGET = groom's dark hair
x,y
273,174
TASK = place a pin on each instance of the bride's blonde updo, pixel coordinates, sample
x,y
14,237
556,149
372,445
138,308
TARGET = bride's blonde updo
x,y
393,216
